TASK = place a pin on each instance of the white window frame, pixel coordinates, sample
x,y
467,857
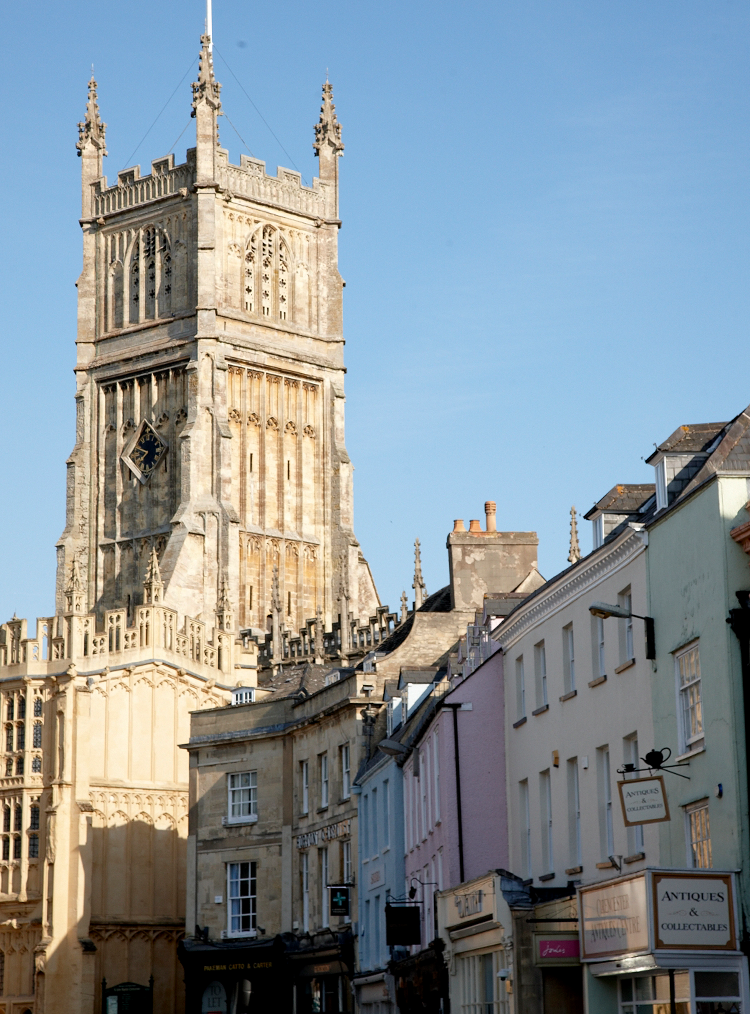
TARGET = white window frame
x,y
523,799
325,908
305,862
324,782
607,842
232,916
233,801
540,673
436,774
635,834
386,815
691,813
574,812
689,741
305,778
346,773
545,800
598,531
520,689
373,838
599,644
346,857
569,658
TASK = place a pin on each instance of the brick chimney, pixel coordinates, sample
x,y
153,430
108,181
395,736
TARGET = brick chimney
x,y
487,562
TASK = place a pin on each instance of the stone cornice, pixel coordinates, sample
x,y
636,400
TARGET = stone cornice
x,y
574,582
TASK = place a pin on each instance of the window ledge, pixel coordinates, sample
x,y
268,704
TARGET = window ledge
x,y
598,681
635,858
606,865
624,666
232,821
366,860
570,693
344,799
240,936
539,711
519,723
573,871
701,748
322,809
547,876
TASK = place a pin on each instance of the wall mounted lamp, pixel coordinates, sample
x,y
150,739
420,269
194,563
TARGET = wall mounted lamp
x,y
604,610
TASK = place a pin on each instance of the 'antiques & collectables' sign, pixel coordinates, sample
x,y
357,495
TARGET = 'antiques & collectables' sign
x,y
693,911
614,918
644,800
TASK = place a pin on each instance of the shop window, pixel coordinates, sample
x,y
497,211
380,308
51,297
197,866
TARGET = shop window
x,y
689,703
717,992
242,899
243,797
480,991
649,994
698,835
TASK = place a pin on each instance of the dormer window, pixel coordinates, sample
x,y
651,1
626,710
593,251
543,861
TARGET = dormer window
x,y
661,484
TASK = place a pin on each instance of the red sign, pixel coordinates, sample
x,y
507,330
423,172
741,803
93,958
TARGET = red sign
x,y
556,948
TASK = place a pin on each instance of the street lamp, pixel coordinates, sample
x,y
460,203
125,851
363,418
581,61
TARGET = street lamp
x,y
604,610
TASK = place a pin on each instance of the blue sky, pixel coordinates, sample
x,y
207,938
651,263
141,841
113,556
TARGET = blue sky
x,y
545,240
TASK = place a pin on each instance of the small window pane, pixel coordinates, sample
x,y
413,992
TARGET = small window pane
x,y
717,984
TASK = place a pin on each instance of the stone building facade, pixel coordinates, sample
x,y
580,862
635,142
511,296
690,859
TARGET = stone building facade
x,y
208,530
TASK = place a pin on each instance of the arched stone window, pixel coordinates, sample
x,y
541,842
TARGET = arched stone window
x,y
268,279
37,735
135,280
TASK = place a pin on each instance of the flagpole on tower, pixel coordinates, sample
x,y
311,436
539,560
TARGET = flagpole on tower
x,y
209,26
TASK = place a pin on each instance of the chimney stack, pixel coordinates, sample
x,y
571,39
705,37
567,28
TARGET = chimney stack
x,y
490,511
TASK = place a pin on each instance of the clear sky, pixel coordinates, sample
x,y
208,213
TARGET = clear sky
x,y
545,240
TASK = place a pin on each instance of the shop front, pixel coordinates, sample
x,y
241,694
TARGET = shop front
x,y
475,923
663,942
241,978
320,973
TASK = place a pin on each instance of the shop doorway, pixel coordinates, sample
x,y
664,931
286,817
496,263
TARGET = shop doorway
x,y
562,990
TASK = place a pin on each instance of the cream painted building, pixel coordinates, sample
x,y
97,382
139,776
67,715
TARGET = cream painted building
x,y
208,525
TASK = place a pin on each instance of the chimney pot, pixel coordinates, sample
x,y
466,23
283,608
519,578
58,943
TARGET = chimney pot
x,y
475,528
459,526
490,510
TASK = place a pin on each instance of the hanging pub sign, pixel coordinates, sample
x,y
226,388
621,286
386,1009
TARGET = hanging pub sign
x,y
644,800
403,925
339,899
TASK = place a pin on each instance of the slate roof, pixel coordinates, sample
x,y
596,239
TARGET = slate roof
x,y
305,678
692,439
624,498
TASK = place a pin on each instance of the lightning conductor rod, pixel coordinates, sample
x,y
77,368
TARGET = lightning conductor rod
x,y
209,26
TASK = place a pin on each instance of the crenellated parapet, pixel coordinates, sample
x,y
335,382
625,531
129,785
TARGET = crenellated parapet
x,y
155,632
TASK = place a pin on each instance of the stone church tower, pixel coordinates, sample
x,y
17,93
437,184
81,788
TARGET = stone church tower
x,y
208,531
210,386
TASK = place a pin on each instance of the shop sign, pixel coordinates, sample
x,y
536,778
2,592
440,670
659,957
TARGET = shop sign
x,y
556,948
339,900
693,911
644,801
327,833
614,918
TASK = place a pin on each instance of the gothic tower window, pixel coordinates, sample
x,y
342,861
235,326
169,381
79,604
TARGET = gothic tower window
x,y
9,738
38,706
6,848
135,280
36,765
20,736
267,270
37,741
6,818
11,709
283,282
34,818
33,846
18,819
17,847
251,260
165,281
22,707
19,766
149,254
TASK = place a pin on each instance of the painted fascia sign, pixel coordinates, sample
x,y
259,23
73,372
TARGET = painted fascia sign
x,y
555,947
644,801
676,910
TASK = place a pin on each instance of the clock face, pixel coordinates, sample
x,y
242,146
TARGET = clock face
x,y
144,452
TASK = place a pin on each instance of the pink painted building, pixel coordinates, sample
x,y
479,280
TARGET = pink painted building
x,y
447,842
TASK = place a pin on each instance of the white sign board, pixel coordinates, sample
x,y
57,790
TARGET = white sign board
x,y
644,800
614,918
693,912
214,999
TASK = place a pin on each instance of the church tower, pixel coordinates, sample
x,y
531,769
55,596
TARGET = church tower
x,y
210,387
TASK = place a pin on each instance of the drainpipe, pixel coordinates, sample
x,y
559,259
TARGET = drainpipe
x,y
455,708
739,621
